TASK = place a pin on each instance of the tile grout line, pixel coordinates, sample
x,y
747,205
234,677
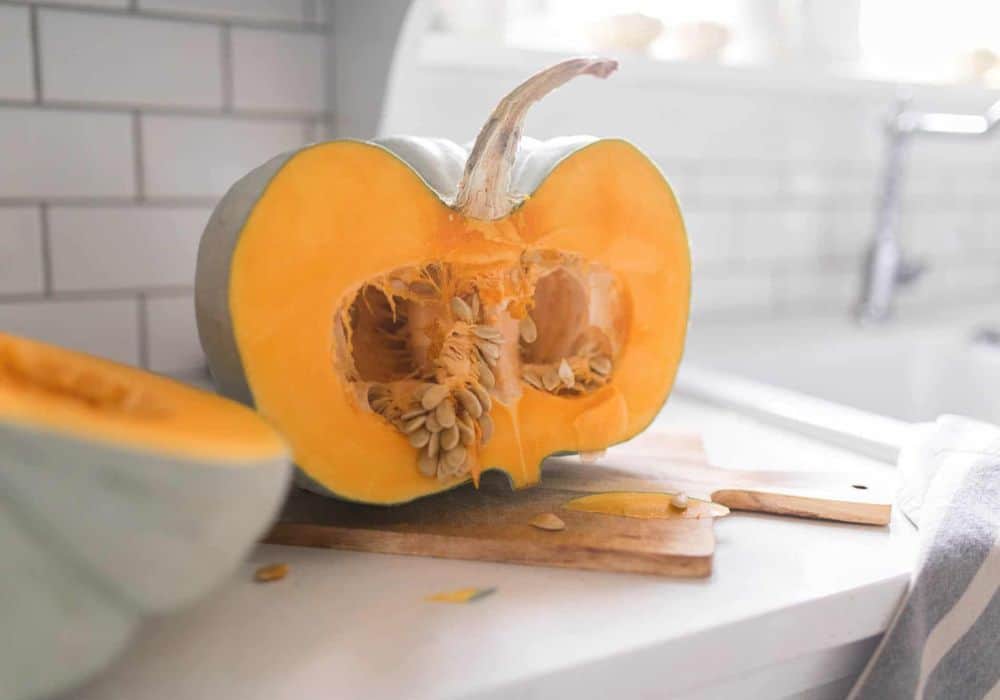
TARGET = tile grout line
x,y
36,53
138,161
161,110
43,219
226,67
142,318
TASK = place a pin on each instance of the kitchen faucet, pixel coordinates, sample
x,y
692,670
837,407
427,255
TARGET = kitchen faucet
x,y
886,268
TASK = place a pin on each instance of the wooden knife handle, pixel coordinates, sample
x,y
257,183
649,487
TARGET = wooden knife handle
x,y
803,506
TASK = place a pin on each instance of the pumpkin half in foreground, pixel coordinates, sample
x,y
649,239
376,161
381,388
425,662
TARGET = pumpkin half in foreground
x,y
409,314
122,494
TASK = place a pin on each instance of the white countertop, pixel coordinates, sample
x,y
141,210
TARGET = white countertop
x,y
802,596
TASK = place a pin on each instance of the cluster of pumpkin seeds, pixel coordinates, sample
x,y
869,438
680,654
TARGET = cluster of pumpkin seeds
x,y
448,414
570,376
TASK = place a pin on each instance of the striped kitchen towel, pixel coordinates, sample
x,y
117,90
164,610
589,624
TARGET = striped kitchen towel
x,y
944,642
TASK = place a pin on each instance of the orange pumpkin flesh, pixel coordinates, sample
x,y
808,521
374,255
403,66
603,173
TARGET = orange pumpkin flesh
x,y
333,315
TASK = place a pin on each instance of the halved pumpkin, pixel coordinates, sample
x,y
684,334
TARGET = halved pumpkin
x,y
406,324
121,494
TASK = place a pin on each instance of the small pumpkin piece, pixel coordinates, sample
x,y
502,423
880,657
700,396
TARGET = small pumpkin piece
x,y
270,573
646,506
461,595
548,521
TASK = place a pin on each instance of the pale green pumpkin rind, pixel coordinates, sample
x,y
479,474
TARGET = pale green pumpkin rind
x,y
109,534
215,255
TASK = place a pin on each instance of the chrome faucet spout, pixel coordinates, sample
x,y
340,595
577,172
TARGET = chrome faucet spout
x,y
886,267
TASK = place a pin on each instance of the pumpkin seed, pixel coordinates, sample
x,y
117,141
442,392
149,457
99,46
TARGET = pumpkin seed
x,y
419,437
449,437
566,373
469,402
427,464
527,329
483,396
466,434
432,423
486,377
532,379
487,332
601,365
489,350
409,415
271,572
461,309
679,500
486,427
475,306
422,287
433,396
455,457
550,380
445,414
491,361
414,423
433,444
548,521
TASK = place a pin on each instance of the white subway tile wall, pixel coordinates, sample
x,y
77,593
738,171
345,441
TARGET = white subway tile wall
x,y
203,156
16,78
777,184
280,72
121,124
88,57
21,251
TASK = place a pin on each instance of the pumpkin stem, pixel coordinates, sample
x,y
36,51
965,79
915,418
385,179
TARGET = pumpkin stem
x,y
484,191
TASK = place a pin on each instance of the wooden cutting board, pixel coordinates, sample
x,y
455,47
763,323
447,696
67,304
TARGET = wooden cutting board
x,y
492,523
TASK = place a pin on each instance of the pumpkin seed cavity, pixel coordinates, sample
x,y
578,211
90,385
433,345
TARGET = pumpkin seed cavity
x,y
432,348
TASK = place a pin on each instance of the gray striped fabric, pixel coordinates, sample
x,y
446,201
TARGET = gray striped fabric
x,y
944,642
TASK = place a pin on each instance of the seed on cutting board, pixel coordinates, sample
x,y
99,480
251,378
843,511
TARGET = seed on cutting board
x,y
461,309
679,500
271,572
548,521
